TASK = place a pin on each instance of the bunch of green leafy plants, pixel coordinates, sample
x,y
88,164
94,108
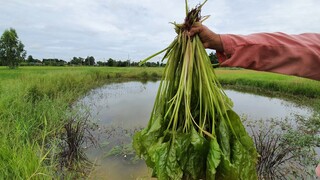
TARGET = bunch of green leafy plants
x,y
193,133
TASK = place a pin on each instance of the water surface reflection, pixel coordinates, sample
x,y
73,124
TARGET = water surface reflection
x,y
122,108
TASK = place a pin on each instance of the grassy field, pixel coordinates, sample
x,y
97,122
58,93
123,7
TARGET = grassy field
x,y
271,81
302,90
33,104
34,101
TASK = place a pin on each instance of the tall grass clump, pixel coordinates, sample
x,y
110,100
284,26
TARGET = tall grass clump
x,y
76,135
286,147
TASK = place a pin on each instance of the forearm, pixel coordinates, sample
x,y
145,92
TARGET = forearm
x,y
215,43
274,52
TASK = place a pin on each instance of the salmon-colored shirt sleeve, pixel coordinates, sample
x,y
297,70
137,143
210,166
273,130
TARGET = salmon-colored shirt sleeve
x,y
297,55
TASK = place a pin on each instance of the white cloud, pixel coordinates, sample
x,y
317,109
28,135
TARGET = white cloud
x,y
139,28
294,16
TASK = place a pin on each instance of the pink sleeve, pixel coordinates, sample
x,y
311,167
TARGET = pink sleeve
x,y
297,55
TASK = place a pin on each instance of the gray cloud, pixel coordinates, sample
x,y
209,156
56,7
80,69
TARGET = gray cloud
x,y
139,28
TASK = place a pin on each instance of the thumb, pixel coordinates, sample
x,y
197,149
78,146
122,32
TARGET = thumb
x,y
195,30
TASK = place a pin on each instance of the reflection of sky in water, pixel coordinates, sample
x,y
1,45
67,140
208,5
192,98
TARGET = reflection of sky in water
x,y
258,107
128,105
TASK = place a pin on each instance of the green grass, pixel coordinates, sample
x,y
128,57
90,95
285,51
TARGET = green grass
x,y
271,81
289,87
33,104
34,101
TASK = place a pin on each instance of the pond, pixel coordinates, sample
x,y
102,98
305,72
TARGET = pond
x,y
120,109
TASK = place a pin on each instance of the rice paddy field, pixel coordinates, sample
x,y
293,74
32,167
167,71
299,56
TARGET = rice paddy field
x,y
35,106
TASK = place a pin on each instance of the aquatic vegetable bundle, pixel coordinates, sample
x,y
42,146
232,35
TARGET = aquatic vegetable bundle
x,y
193,133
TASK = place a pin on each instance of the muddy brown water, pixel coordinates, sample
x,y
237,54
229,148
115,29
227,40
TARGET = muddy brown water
x,y
120,109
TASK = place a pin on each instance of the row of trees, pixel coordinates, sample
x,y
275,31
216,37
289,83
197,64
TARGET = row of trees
x,y
88,61
114,63
12,54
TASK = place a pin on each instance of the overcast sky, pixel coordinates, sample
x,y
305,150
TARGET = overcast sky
x,y
120,29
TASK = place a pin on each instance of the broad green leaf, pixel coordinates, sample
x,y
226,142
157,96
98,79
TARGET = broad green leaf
x,y
213,160
197,154
241,133
166,164
223,137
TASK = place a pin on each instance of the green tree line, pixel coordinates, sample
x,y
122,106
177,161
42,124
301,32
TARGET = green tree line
x,y
13,54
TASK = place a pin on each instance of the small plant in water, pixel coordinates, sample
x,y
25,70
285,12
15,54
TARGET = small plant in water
x,y
286,150
120,142
76,136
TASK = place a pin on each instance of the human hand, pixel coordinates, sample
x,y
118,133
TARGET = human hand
x,y
209,38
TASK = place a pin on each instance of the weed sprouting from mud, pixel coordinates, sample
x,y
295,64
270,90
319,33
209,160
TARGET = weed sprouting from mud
x,y
286,149
75,138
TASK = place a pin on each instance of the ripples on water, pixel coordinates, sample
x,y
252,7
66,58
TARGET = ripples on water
x,y
122,108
